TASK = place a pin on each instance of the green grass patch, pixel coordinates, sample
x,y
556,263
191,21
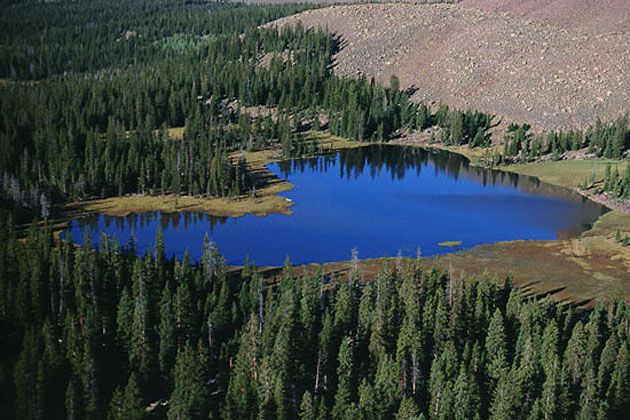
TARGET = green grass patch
x,y
565,173
608,224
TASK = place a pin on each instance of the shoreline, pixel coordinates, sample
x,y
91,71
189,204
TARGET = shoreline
x,y
266,201
521,169
269,201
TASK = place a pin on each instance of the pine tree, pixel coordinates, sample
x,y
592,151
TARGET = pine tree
x,y
166,330
183,311
140,352
619,142
508,398
409,347
441,386
344,309
550,401
496,348
575,354
588,397
190,381
457,128
606,364
73,402
124,319
28,386
386,385
310,315
408,410
241,401
462,408
618,394
127,404
345,387
307,407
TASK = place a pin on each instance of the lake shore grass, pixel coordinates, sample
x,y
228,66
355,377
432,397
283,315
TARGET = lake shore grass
x,y
578,272
564,173
570,174
122,206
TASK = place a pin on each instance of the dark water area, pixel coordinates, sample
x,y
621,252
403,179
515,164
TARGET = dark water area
x,y
381,200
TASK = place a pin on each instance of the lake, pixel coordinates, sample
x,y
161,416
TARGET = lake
x,y
382,200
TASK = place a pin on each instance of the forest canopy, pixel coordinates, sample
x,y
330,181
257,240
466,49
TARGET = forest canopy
x,y
108,334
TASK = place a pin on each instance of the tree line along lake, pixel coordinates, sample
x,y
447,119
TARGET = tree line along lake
x,y
383,200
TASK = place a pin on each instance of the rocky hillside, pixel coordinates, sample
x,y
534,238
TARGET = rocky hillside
x,y
538,61
597,16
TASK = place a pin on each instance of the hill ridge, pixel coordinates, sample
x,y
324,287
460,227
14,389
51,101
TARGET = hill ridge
x,y
521,69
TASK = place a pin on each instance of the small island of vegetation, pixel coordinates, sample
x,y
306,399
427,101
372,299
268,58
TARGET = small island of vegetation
x,y
450,244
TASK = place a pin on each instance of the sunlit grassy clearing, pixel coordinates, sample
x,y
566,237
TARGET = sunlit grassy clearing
x,y
565,173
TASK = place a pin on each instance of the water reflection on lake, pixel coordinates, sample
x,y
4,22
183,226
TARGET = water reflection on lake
x,y
383,200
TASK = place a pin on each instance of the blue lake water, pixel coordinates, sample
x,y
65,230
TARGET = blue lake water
x,y
382,200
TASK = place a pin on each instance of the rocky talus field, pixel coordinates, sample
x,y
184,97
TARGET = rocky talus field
x,y
552,63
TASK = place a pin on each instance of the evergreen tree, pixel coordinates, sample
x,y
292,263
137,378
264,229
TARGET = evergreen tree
x,y
242,394
408,410
73,402
345,387
190,381
127,404
496,348
307,407
167,331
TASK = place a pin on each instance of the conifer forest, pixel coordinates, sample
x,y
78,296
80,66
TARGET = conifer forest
x,y
90,93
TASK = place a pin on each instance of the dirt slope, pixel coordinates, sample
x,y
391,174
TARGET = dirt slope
x,y
332,2
527,63
597,16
